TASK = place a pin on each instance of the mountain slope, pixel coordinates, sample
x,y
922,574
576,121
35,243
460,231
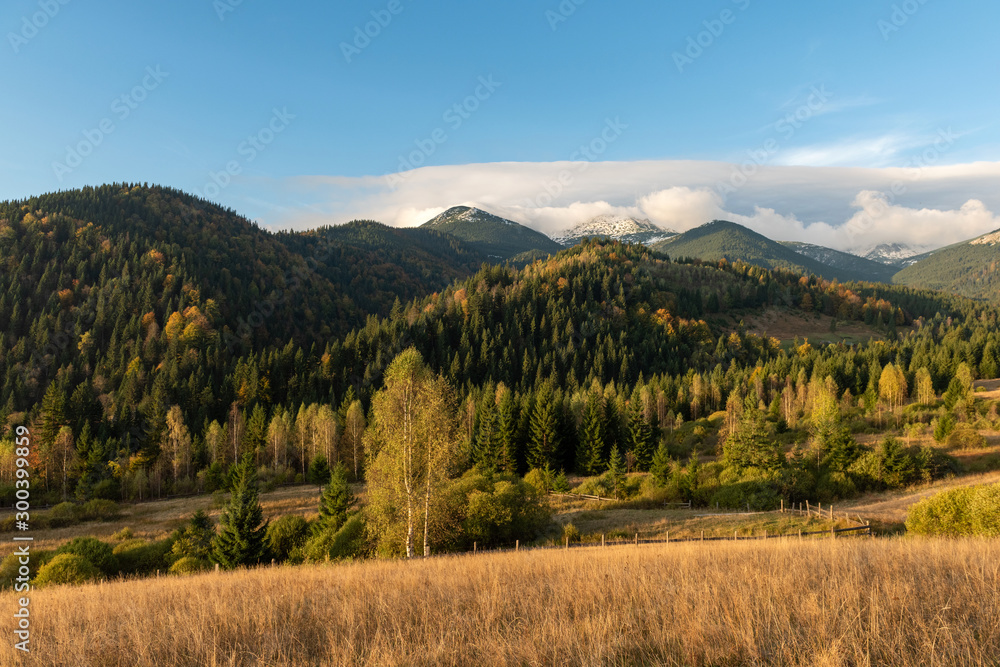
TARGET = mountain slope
x,y
491,235
865,269
618,228
893,254
721,239
970,269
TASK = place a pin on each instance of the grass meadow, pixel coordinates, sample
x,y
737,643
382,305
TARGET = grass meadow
x,y
822,602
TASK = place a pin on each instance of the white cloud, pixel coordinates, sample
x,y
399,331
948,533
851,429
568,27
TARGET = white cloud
x,y
832,206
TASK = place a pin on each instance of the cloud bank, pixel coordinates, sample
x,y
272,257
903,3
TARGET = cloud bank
x,y
839,207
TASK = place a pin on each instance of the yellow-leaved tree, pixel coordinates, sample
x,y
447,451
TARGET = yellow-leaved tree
x,y
410,448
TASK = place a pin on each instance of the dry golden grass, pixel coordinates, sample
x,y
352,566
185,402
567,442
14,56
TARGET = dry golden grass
x,y
827,603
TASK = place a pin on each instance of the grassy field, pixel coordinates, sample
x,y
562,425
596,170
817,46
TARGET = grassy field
x,y
818,603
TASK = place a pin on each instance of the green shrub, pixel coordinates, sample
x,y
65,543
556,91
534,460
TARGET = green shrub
x,y
67,568
63,514
347,542
539,479
107,489
99,510
946,513
97,553
984,511
286,534
965,437
571,532
123,535
757,494
141,558
189,565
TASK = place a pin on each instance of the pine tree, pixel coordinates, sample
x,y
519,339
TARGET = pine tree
x,y
240,541
486,452
616,470
544,439
661,465
336,500
589,453
507,430
640,434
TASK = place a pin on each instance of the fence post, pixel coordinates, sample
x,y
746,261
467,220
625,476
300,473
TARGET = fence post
x,y
475,547
272,562
668,537
736,535
800,533
517,545
833,533
567,541
216,567
765,534
637,539
807,508
602,539
703,536
782,505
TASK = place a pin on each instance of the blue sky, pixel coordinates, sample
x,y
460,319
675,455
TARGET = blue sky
x,y
174,93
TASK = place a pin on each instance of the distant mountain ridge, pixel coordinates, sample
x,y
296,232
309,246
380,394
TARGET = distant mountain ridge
x,y
619,228
491,235
721,239
971,268
892,254
862,267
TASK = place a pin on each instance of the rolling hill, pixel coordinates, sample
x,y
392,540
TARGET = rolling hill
x,y
721,239
970,269
491,235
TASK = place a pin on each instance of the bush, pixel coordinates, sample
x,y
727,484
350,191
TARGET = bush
x,y
139,557
67,568
946,513
285,535
123,534
540,479
965,437
63,514
189,565
571,532
758,494
97,553
347,542
99,510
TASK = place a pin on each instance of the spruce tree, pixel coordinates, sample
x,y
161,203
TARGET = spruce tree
x,y
240,541
336,500
616,469
589,459
543,430
640,434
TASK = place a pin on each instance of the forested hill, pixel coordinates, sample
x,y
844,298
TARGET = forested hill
x,y
122,335
721,239
971,269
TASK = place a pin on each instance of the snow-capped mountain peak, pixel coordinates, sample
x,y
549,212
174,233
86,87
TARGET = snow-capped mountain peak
x,y
892,254
617,227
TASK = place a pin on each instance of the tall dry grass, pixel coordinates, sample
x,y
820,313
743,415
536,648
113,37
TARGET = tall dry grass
x,y
834,602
